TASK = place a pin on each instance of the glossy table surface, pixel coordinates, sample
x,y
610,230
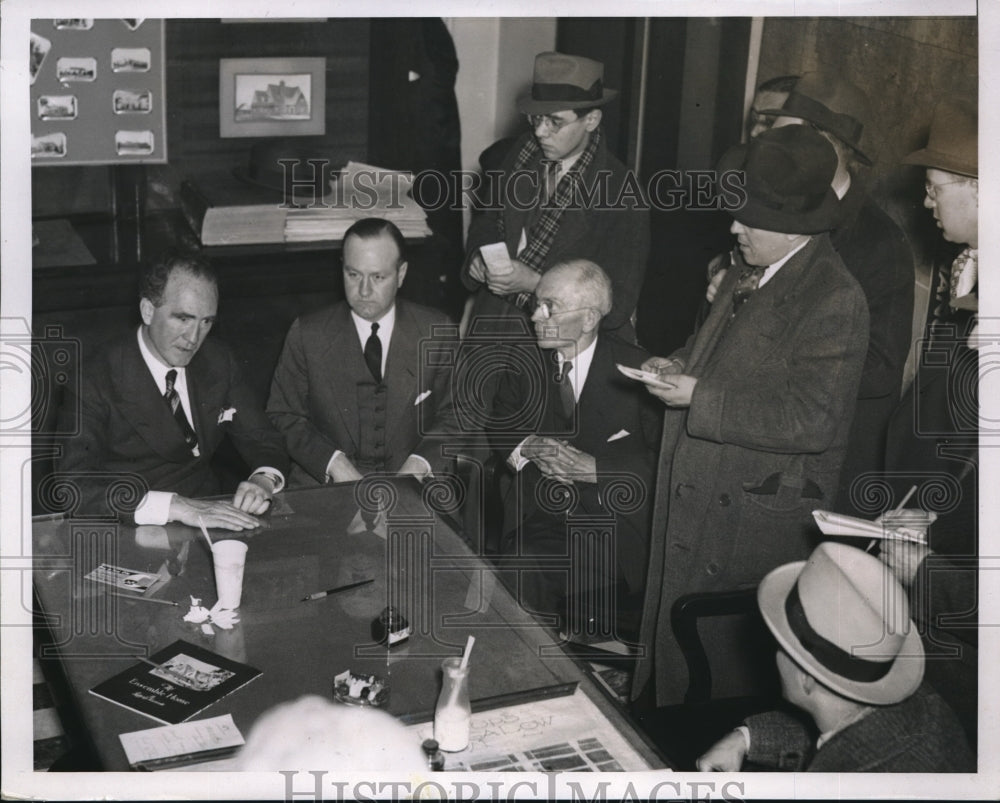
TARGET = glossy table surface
x,y
311,540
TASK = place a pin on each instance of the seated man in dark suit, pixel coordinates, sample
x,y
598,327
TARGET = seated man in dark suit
x,y
350,394
156,404
581,439
849,657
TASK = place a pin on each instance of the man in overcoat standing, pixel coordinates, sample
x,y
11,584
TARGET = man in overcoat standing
x,y
759,400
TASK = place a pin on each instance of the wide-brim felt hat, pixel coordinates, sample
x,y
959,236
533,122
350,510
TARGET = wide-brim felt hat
x,y
562,82
953,141
833,104
308,172
787,174
844,618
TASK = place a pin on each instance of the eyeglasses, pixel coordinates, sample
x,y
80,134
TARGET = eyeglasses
x,y
544,311
555,124
932,189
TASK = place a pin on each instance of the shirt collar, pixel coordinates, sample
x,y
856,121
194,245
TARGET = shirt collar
x,y
385,326
157,368
581,367
773,269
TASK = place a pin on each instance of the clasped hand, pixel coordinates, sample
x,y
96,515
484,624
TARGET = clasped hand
x,y
559,460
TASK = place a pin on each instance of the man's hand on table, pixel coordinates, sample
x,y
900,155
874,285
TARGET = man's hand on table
x,y
254,495
218,515
726,755
520,280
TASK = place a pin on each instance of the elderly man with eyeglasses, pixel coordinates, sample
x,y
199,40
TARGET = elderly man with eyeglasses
x,y
580,441
560,194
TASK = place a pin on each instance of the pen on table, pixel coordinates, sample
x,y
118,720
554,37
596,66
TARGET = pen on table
x,y
328,592
144,599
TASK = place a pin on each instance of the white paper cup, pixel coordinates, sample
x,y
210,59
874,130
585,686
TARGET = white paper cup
x,y
229,558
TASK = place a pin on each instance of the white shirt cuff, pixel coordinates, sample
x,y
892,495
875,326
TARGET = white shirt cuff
x,y
516,460
276,477
423,460
329,464
154,508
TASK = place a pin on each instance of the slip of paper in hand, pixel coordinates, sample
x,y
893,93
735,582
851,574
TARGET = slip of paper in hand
x,y
220,617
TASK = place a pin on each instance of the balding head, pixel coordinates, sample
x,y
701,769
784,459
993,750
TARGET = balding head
x,y
572,297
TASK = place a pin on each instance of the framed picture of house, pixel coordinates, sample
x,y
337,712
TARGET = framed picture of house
x,y
272,97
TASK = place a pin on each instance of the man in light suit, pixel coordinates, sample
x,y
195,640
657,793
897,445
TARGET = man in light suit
x,y
759,400
580,439
155,405
350,394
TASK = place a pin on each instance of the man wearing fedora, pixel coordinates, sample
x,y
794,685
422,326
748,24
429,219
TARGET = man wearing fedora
x,y
850,658
560,195
933,438
875,252
759,400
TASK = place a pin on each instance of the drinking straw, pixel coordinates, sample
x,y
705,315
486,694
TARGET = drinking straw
x,y
468,649
204,532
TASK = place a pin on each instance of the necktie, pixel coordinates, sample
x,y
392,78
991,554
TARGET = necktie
x,y
746,284
964,272
567,398
373,354
174,400
551,178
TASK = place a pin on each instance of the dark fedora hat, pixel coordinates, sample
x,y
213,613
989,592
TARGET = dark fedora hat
x,y
833,104
953,142
565,82
275,162
787,173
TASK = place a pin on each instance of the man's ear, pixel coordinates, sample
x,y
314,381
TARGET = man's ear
x,y
401,274
807,681
146,310
593,119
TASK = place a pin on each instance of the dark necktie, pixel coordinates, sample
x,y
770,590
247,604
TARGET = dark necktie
x,y
373,354
567,398
174,400
746,284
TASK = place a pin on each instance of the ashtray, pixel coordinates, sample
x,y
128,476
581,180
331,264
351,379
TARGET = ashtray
x,y
358,689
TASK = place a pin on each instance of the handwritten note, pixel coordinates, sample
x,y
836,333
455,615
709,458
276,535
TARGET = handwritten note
x,y
189,742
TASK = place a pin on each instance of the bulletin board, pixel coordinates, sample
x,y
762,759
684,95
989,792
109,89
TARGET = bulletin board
x,y
98,91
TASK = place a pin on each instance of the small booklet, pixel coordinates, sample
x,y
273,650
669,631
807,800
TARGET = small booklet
x,y
171,746
176,683
126,579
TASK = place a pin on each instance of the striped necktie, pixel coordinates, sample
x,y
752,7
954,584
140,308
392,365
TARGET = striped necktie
x,y
174,400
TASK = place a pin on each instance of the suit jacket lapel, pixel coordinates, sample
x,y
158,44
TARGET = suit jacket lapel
x,y
206,397
592,415
401,368
344,364
143,406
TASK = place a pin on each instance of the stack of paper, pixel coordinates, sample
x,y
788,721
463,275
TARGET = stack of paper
x,y
361,191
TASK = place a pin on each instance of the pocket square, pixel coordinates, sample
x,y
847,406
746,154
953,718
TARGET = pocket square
x,y
622,433
421,397
226,415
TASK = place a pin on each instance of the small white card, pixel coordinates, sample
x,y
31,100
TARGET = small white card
x,y
497,259
645,376
202,739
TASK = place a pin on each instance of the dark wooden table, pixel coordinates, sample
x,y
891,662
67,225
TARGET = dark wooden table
x,y
420,565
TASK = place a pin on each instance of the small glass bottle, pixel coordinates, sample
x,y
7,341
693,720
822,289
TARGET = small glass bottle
x,y
390,627
453,714
434,758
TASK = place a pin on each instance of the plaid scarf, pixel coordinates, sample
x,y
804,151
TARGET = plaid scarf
x,y
543,231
